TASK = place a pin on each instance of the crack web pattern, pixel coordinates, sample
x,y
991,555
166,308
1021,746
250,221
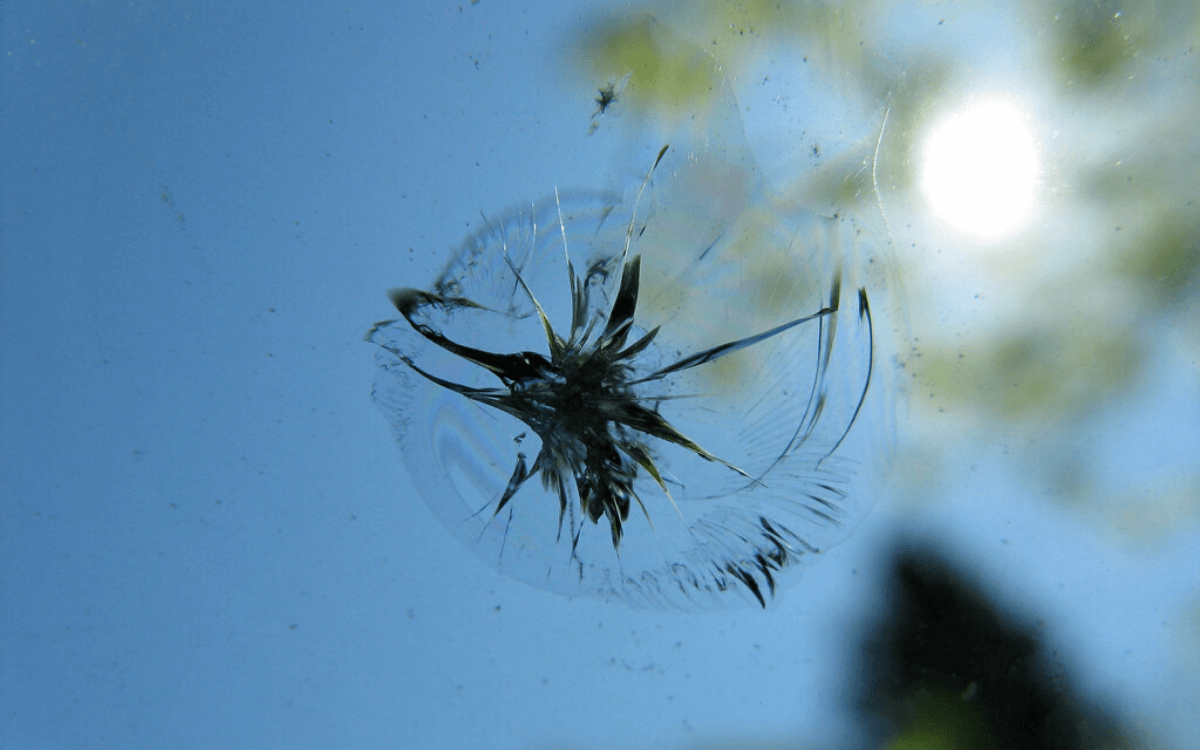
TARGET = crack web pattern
x,y
656,398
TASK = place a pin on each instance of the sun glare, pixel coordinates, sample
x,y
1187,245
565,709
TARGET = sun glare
x,y
980,164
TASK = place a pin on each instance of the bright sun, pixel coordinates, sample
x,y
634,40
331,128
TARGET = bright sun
x,y
980,164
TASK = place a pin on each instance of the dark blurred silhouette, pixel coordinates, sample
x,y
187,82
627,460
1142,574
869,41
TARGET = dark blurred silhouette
x,y
948,667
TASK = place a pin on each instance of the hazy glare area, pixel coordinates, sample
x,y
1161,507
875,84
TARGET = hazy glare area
x,y
1052,336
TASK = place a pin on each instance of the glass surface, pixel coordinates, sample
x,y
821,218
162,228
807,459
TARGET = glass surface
x,y
209,539
661,399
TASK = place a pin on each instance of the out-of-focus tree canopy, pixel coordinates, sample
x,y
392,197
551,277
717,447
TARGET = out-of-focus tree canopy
x,y
1034,341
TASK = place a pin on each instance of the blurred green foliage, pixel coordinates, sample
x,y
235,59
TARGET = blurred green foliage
x,y
666,72
1112,265
1033,373
1167,265
1096,39
941,720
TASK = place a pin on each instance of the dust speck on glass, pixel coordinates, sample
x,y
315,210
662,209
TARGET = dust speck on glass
x,y
665,397
608,95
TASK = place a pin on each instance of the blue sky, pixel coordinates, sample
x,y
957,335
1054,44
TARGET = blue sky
x,y
206,535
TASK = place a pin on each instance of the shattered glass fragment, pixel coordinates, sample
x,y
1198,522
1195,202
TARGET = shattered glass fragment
x,y
666,398
609,93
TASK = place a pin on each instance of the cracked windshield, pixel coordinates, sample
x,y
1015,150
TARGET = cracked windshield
x,y
687,374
